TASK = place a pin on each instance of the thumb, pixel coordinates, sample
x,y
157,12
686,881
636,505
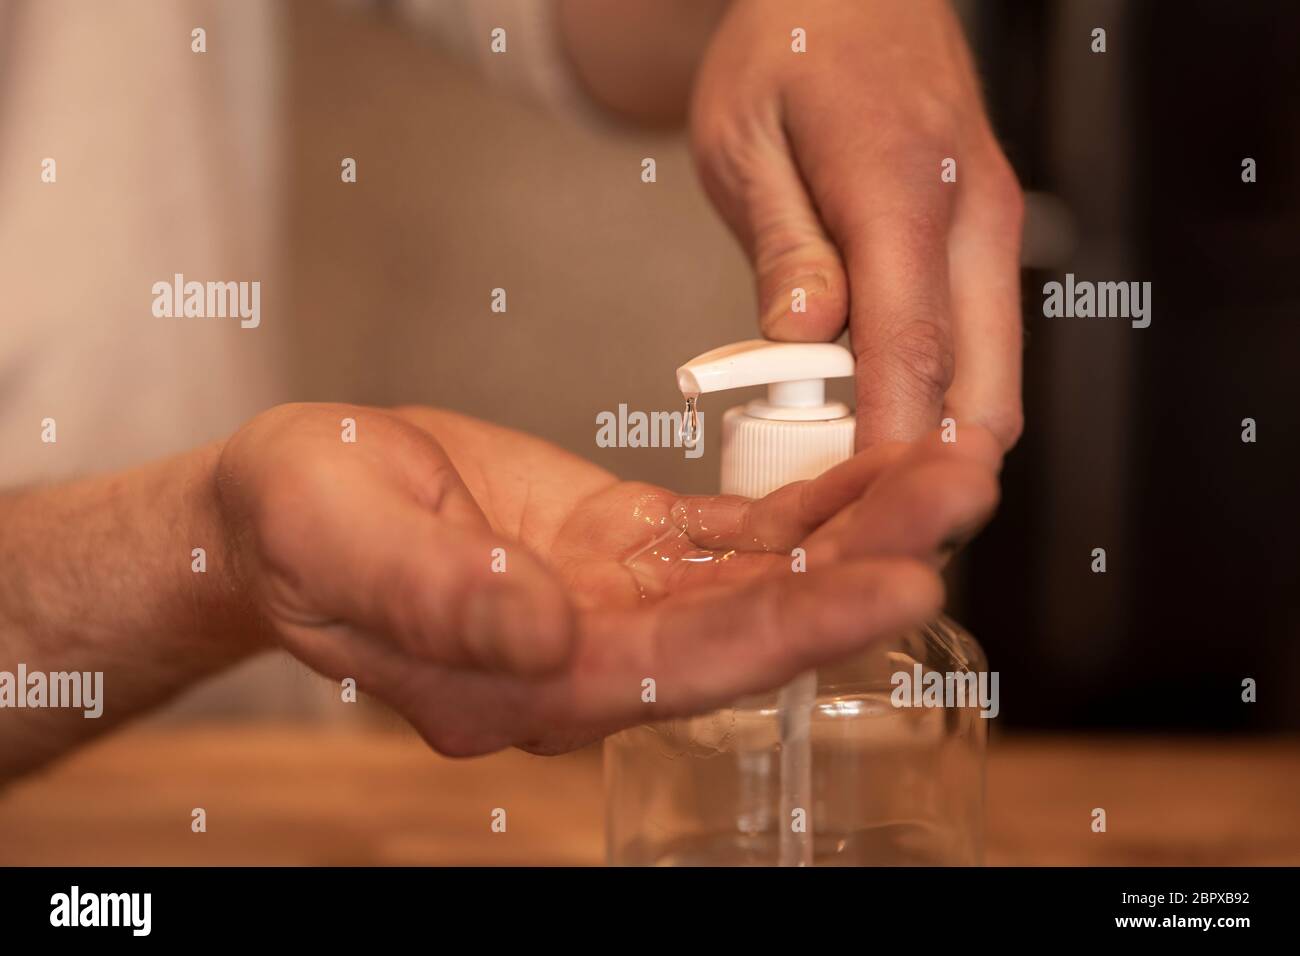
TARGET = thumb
x,y
803,293
358,549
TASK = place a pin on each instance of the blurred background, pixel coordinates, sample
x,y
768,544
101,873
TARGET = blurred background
x,y
379,293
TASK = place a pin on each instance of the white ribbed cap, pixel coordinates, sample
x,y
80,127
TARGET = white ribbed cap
x,y
759,455
794,434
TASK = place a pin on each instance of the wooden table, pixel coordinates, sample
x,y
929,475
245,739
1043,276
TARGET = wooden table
x,y
279,794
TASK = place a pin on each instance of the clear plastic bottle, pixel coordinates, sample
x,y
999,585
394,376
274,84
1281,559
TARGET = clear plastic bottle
x,y
891,786
884,784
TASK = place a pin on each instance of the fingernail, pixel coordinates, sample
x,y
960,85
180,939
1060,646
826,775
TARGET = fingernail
x,y
784,303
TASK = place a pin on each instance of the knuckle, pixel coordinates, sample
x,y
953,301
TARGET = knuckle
x,y
438,482
438,720
416,621
921,354
787,245
908,231
934,121
925,125
1005,200
1007,425
731,150
711,140
452,740
463,744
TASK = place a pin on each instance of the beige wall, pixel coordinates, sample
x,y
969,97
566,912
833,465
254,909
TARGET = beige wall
x,y
611,282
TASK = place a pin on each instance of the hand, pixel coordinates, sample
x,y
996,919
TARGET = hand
x,y
374,560
827,166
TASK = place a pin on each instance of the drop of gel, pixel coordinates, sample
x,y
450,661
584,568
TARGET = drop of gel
x,y
691,422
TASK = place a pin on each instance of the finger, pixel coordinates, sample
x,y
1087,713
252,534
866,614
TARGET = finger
x,y
383,561
449,708
702,651
892,230
756,185
900,329
986,304
926,507
705,649
782,519
790,515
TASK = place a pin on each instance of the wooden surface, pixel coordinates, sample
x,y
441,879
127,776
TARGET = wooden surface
x,y
289,795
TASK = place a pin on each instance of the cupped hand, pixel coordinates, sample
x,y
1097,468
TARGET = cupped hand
x,y
830,164
497,591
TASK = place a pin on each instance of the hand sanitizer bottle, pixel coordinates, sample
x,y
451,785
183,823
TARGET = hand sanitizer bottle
x,y
840,767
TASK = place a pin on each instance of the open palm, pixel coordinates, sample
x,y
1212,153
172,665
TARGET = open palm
x,y
496,590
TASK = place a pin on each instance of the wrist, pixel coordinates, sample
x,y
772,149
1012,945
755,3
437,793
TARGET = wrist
x,y
102,578
218,602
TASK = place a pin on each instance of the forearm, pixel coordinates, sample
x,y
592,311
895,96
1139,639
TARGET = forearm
x,y
98,578
637,58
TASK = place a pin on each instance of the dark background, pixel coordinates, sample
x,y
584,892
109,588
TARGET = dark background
x,y
1133,436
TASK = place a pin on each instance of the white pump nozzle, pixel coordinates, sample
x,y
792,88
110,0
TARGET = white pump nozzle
x,y
796,433
795,373
760,362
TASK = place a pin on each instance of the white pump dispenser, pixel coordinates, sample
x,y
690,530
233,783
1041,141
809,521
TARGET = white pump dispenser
x,y
795,433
